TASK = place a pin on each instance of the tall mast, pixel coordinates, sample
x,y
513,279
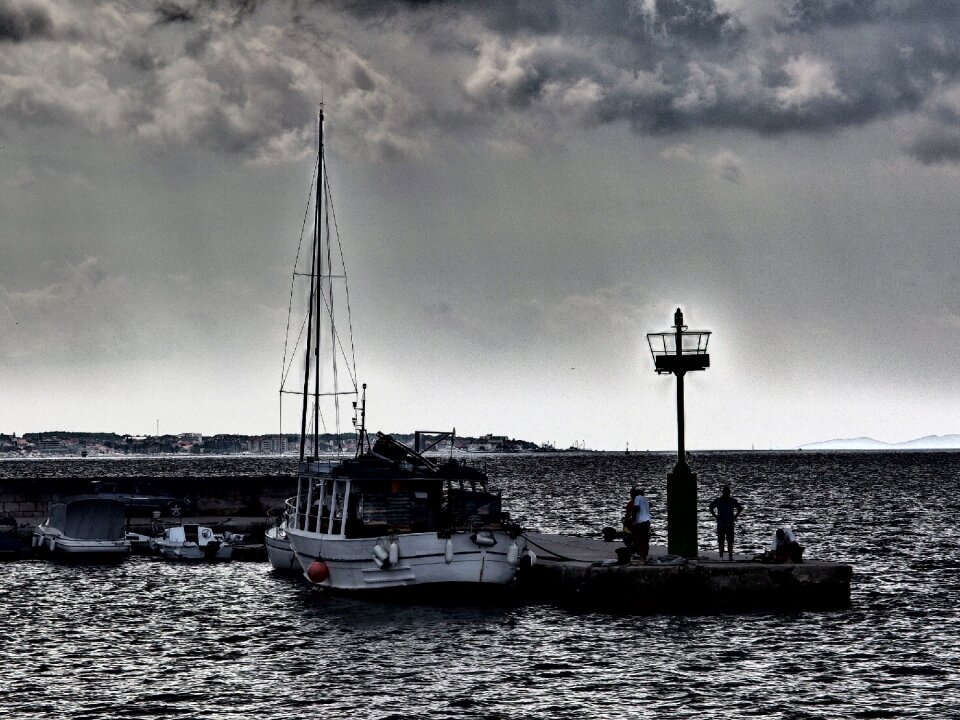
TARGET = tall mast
x,y
314,287
318,262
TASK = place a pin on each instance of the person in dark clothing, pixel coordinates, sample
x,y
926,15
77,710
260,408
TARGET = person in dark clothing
x,y
785,547
628,517
726,510
641,526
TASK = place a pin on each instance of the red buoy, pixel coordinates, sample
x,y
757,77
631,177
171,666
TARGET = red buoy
x,y
318,571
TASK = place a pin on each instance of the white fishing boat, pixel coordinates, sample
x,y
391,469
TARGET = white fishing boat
x,y
387,518
193,543
83,528
391,518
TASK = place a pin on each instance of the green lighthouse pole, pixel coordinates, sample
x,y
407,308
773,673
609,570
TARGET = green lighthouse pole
x,y
678,353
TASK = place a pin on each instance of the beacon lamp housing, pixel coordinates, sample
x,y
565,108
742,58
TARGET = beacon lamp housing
x,y
692,356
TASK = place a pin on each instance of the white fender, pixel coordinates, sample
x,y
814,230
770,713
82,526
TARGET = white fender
x,y
394,554
484,539
513,554
52,543
448,551
380,553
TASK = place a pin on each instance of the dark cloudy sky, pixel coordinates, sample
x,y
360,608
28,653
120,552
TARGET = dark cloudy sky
x,y
523,189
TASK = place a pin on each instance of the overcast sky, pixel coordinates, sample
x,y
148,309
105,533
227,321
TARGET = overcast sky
x,y
523,191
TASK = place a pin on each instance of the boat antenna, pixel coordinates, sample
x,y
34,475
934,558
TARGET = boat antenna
x,y
362,430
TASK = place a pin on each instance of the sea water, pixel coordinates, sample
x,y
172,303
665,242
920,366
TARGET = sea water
x,y
148,639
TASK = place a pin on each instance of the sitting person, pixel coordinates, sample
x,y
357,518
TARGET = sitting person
x,y
785,547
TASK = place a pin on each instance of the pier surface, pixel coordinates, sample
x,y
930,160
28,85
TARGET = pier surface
x,y
585,574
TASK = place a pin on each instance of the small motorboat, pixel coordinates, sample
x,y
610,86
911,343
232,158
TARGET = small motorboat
x,y
281,555
194,543
83,528
244,547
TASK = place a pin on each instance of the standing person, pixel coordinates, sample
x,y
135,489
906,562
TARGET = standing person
x,y
641,525
726,510
628,514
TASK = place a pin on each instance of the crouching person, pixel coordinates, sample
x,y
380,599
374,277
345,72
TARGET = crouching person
x,y
785,547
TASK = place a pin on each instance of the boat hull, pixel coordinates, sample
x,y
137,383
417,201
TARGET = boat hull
x,y
421,559
193,553
279,552
193,543
83,528
60,546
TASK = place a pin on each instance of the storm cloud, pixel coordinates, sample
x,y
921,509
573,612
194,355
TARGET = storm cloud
x,y
20,22
241,78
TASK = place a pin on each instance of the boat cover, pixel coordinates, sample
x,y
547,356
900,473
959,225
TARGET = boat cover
x,y
89,519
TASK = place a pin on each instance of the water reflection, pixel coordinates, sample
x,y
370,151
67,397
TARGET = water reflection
x,y
150,639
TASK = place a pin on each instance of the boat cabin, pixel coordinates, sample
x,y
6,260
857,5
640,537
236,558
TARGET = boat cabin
x,y
374,496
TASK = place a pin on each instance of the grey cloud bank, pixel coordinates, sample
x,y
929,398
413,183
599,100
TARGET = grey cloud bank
x,y
230,77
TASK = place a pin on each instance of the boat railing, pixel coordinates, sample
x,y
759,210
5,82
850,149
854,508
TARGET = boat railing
x,y
299,515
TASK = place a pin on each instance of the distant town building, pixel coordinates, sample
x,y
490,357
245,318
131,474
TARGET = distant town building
x,y
52,446
9,444
268,444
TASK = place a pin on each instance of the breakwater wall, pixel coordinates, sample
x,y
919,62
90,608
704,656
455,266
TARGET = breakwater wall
x,y
28,498
588,574
694,586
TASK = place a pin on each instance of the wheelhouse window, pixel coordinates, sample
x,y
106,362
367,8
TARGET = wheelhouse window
x,y
380,507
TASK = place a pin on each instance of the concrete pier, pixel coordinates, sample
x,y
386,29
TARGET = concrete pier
x,y
585,574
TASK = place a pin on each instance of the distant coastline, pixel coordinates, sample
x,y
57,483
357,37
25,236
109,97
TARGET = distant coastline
x,y
92,444
928,442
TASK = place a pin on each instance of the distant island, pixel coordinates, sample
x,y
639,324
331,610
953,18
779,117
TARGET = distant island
x,y
929,442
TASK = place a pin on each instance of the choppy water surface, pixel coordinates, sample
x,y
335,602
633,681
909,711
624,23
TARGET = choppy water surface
x,y
149,639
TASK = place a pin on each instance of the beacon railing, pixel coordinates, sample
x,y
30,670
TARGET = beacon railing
x,y
693,351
